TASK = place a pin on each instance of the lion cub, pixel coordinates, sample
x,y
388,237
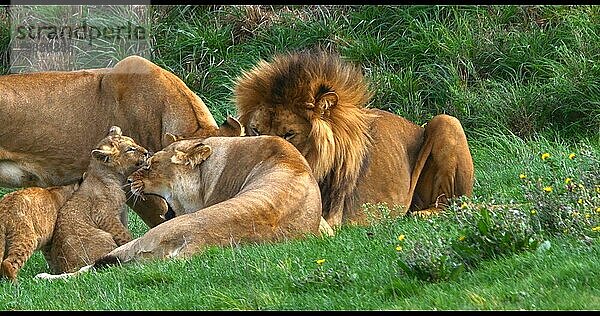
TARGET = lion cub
x,y
28,218
93,221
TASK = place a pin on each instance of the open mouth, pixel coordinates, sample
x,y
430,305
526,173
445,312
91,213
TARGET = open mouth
x,y
170,212
137,188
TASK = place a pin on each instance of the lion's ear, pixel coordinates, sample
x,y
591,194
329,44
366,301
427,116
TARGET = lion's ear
x,y
102,155
169,138
198,154
324,103
193,157
115,131
231,127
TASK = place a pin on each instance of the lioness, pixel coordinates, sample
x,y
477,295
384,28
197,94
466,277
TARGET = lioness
x,y
28,217
90,223
317,101
224,190
145,100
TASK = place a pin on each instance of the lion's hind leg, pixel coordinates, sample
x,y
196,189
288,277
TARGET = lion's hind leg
x,y
19,250
448,166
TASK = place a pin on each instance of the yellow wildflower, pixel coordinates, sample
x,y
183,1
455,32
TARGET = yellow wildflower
x,y
461,238
533,212
401,237
588,215
571,156
575,214
596,229
464,205
398,248
598,210
568,180
548,189
580,201
598,189
545,156
320,261
522,176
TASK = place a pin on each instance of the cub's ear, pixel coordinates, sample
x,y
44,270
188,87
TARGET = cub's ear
x,y
231,127
102,155
115,131
169,138
193,157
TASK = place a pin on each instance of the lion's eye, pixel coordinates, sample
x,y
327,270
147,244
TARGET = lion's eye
x,y
130,149
289,135
254,131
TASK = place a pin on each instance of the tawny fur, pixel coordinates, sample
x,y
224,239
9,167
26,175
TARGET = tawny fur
x,y
90,223
28,217
36,109
357,154
224,190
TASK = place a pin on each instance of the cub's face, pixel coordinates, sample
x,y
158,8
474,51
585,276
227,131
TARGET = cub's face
x,y
279,121
120,153
170,174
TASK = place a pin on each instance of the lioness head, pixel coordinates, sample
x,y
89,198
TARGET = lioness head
x,y
120,153
170,171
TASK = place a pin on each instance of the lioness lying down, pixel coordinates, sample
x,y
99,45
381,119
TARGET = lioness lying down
x,y
223,190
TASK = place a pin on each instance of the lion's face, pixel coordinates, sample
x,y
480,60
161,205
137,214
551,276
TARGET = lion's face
x,y
169,173
120,153
281,121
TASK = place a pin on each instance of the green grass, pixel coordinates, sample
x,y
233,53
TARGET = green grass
x,y
523,80
261,277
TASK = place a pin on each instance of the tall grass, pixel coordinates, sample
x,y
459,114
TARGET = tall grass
x,y
523,69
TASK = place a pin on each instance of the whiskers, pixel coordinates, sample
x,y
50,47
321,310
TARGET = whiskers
x,y
134,192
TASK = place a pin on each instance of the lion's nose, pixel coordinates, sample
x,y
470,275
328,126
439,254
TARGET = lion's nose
x,y
129,180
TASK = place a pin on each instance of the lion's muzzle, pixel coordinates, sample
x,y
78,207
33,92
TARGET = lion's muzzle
x,y
136,184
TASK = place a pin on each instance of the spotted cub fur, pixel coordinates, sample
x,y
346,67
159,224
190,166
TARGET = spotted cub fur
x,y
93,221
28,218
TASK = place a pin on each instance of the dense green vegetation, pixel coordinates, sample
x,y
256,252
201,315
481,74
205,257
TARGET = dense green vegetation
x,y
523,80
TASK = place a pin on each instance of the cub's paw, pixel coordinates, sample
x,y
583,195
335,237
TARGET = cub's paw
x,y
9,271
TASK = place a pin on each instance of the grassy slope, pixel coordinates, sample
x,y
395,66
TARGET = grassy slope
x,y
261,277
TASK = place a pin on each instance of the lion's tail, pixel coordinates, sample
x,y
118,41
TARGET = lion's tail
x,y
419,164
2,242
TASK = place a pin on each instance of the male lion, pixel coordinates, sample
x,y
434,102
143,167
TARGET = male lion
x,y
317,102
37,110
28,218
91,222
